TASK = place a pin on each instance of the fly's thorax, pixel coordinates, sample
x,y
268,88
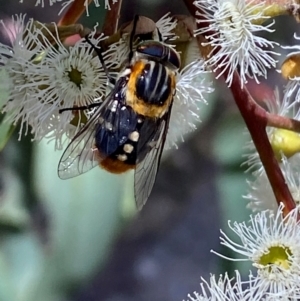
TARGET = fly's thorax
x,y
150,89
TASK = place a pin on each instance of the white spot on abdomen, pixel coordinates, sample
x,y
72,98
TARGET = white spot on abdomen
x,y
134,136
122,157
128,148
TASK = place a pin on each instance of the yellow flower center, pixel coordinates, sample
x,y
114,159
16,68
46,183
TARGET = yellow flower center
x,y
76,77
290,68
278,255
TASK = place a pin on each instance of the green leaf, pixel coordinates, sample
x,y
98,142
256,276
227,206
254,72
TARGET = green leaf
x,y
21,261
85,217
230,140
13,214
6,130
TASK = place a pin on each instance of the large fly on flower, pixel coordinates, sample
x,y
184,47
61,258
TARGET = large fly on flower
x,y
128,129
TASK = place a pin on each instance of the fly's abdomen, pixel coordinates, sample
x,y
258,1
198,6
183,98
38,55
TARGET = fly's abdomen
x,y
115,138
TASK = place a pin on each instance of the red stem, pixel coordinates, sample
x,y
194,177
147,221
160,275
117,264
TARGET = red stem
x,y
282,122
74,12
255,118
112,17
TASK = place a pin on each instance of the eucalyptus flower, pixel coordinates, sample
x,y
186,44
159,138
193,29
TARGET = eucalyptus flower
x,y
224,288
192,89
48,78
73,77
231,35
271,242
18,72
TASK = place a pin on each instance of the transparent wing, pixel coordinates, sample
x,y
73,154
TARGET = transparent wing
x,y
145,172
81,154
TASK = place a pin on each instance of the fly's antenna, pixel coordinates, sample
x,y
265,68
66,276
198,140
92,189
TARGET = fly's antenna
x,y
132,35
100,56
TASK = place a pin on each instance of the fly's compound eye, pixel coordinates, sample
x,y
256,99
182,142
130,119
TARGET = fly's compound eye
x,y
159,52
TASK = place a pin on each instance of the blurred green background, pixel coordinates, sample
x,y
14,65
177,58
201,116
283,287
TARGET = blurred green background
x,y
82,239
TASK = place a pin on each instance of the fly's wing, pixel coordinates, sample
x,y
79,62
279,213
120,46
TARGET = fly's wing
x,y
81,154
146,170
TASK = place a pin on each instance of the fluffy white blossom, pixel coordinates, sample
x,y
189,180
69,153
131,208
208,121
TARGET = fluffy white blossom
x,y
231,34
272,243
260,194
73,77
225,288
19,74
48,78
191,88
165,25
